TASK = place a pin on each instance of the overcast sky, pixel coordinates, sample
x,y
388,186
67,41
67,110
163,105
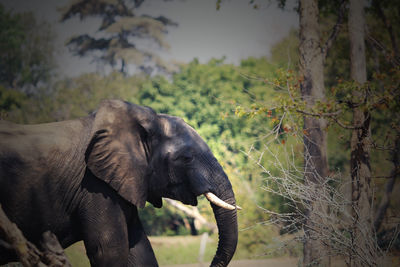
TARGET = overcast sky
x,y
236,31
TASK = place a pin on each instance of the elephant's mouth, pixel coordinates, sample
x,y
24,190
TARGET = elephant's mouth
x,y
181,192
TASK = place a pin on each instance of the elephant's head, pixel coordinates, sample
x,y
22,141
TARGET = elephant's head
x,y
145,156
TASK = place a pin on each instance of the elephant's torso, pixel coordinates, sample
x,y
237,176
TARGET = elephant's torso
x,y
41,170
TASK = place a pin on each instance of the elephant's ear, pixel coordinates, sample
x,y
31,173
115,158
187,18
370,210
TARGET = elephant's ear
x,y
118,152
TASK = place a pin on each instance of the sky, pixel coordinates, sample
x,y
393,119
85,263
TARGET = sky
x,y
236,31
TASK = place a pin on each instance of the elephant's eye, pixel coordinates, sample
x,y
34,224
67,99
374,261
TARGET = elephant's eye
x,y
186,159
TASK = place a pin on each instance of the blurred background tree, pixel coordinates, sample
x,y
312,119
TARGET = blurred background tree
x,y
26,57
117,41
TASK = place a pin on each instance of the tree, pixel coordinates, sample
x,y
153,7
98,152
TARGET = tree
x,y
360,139
285,52
120,32
386,15
12,36
386,57
312,55
26,51
315,139
26,58
356,98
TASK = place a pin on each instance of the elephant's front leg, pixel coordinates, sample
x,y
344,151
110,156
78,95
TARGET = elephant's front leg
x,y
140,251
105,232
106,242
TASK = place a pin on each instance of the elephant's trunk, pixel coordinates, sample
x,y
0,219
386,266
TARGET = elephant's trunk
x,y
227,226
210,177
227,232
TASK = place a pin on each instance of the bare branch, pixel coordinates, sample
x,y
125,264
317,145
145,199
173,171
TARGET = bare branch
x,y
319,115
383,49
53,254
192,212
27,253
330,226
388,25
335,30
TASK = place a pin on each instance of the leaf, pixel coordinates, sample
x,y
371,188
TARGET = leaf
x,y
287,128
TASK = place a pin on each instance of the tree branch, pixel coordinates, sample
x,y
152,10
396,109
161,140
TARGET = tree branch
x,y
333,116
194,213
380,47
28,254
335,30
388,26
325,115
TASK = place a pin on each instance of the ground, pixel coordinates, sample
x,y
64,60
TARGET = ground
x,y
183,251
280,262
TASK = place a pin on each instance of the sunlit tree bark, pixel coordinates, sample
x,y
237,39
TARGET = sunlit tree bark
x,y
315,143
360,139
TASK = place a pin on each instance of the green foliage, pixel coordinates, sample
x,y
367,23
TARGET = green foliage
x,y
12,37
216,87
76,97
163,221
26,61
285,53
205,95
9,100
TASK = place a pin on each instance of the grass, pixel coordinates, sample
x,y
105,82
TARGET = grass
x,y
77,255
168,250
181,249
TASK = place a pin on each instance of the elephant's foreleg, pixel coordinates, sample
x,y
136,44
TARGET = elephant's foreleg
x,y
107,246
105,233
140,251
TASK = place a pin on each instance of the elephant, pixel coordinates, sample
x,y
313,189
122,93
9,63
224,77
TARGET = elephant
x,y
85,179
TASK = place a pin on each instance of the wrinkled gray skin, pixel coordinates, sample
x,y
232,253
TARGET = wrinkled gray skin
x,y
84,179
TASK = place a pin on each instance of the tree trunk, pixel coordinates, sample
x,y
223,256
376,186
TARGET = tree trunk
x,y
362,232
315,143
380,214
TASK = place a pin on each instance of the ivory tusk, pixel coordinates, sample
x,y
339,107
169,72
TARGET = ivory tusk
x,y
219,202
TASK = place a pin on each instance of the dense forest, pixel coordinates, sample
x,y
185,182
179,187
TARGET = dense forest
x,y
252,116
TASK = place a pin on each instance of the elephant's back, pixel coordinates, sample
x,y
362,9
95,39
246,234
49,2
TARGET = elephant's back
x,y
37,166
